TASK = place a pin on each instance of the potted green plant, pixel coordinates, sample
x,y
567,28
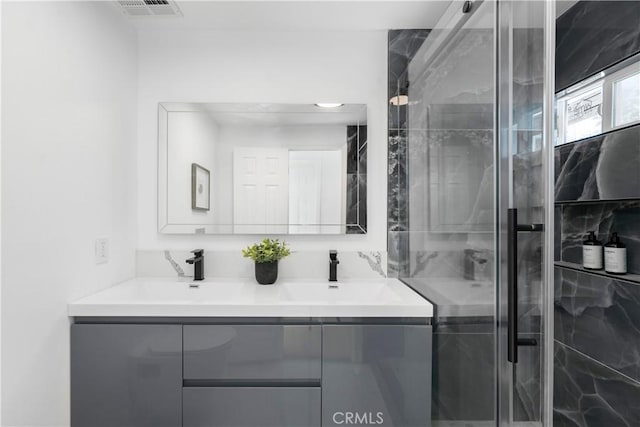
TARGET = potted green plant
x,y
266,255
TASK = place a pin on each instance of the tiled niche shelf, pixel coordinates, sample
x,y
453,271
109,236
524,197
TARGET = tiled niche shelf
x,y
632,278
595,201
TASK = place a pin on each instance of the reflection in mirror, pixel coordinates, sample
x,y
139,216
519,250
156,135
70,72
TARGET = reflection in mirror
x,y
262,168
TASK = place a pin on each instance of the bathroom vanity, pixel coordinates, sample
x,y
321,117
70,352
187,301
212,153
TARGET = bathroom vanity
x,y
232,353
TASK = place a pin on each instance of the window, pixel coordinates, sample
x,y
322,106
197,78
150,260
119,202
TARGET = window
x,y
583,115
599,104
626,100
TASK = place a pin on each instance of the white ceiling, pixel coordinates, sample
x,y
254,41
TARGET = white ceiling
x,y
300,15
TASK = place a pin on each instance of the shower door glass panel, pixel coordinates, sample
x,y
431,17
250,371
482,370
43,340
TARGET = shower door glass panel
x,y
523,173
476,148
451,157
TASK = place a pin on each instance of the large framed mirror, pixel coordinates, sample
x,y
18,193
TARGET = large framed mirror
x,y
262,168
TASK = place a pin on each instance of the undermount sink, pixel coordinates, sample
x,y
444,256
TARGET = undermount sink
x,y
348,292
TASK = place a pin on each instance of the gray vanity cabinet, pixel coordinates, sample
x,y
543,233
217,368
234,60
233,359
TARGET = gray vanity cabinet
x,y
126,375
376,375
264,375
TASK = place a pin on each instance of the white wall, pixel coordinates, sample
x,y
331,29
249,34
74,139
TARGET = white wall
x,y
277,67
192,138
68,160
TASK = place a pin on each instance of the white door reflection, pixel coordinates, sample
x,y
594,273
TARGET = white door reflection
x,y
316,191
260,189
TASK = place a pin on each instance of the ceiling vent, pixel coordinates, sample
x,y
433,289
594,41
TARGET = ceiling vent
x,y
149,7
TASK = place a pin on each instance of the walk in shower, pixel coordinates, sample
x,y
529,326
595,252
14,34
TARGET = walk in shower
x,y
470,138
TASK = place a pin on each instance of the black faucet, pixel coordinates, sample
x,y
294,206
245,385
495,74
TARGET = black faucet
x,y
333,266
198,264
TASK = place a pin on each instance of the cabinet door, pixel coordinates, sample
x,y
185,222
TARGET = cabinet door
x,y
126,375
376,375
251,407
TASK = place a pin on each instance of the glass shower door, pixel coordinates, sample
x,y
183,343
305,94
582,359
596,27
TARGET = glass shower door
x,y
477,155
452,220
525,70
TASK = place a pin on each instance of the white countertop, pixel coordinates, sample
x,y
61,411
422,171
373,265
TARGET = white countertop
x,y
173,297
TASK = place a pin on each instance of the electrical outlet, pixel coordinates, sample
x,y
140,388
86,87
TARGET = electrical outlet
x,y
102,250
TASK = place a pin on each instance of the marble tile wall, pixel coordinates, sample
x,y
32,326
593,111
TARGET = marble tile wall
x,y
593,35
599,168
588,393
403,45
597,317
600,317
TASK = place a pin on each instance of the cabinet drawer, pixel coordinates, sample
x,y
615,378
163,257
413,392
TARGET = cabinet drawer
x,y
252,352
251,407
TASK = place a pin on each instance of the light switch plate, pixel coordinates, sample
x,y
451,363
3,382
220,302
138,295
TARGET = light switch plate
x,y
102,250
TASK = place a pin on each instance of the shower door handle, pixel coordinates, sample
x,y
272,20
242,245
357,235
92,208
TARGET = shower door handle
x,y
513,342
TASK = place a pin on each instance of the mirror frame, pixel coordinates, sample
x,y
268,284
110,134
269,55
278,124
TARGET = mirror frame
x,y
165,227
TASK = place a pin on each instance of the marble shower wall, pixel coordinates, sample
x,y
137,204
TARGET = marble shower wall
x,y
601,167
597,321
403,45
588,393
593,35
597,316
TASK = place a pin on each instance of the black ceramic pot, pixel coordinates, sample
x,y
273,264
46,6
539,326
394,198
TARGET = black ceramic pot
x,y
267,272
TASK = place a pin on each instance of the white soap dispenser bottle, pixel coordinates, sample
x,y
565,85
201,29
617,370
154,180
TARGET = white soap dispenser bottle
x,y
615,256
592,252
